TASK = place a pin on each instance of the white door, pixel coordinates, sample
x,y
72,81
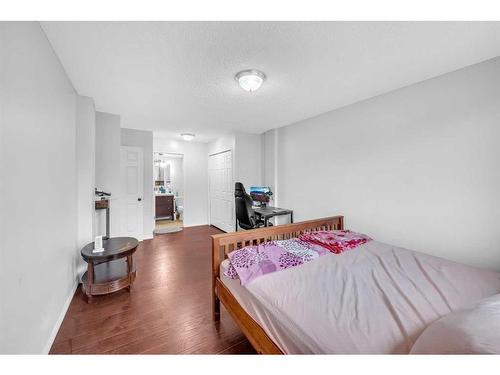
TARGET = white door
x,y
220,175
132,183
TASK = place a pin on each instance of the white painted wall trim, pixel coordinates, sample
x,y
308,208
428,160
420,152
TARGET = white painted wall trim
x,y
220,152
60,319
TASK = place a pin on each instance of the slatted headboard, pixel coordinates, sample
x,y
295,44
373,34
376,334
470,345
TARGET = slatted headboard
x,y
222,244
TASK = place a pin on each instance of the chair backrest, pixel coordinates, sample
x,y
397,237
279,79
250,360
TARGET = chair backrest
x,y
243,205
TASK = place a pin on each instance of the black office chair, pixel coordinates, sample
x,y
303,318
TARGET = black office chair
x,y
245,215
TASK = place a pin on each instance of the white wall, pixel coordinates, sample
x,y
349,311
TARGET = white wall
x,y
221,144
417,167
248,156
248,159
109,139
107,160
195,163
3,163
39,189
270,164
85,158
144,140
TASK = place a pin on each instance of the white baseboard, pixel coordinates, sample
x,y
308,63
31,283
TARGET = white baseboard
x,y
195,225
60,319
147,236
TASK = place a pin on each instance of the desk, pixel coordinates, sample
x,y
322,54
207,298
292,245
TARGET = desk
x,y
269,212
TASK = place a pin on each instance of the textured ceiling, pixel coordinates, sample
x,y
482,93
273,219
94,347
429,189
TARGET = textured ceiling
x,y
174,77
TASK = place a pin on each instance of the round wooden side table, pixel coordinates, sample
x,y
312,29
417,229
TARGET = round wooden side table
x,y
110,270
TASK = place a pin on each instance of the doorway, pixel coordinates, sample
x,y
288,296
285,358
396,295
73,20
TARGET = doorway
x,y
168,173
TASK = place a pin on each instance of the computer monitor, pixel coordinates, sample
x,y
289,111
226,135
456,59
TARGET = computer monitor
x,y
260,194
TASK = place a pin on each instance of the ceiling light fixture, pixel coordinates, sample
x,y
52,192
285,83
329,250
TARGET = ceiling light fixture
x,y
187,136
250,80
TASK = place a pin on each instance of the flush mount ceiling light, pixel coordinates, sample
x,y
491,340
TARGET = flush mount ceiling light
x,y
187,136
250,80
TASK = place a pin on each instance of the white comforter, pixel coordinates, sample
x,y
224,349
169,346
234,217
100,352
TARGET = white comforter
x,y
374,299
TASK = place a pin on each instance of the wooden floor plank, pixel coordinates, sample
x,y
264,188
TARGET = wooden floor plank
x,y
168,310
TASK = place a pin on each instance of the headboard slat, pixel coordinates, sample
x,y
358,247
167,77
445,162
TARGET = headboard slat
x,y
222,244
237,240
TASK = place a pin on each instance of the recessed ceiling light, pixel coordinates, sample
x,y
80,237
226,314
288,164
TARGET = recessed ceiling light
x,y
187,136
250,80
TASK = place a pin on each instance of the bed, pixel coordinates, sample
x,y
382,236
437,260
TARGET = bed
x,y
375,299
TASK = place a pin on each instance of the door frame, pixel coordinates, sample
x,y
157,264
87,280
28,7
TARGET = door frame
x,y
123,193
183,157
208,181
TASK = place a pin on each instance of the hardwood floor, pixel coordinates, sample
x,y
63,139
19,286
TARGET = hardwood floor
x,y
167,312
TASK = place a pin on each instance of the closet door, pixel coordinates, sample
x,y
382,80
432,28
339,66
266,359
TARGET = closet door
x,y
221,186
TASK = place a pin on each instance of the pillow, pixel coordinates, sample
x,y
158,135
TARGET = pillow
x,y
472,331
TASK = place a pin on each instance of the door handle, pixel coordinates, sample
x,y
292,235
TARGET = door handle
x,y
139,199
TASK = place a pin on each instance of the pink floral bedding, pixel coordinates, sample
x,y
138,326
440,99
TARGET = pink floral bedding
x,y
335,241
251,262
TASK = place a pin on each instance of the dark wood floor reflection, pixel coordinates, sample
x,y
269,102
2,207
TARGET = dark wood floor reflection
x,y
167,312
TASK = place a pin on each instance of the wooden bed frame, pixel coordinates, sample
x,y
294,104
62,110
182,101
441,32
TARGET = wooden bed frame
x,y
222,244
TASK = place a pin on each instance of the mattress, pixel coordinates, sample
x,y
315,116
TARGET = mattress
x,y
375,299
271,324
